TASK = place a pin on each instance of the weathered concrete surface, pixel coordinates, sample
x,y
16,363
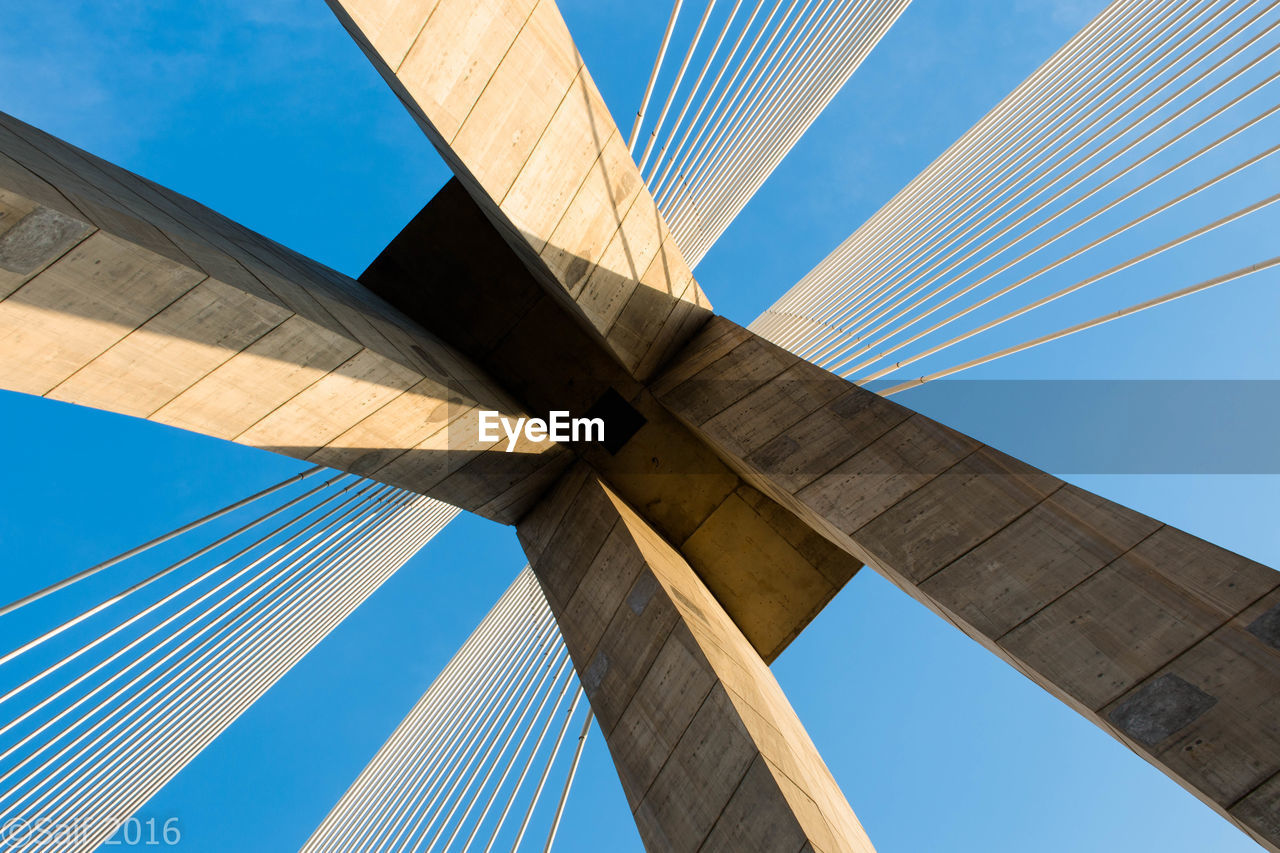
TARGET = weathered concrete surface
x,y
1167,642
710,753
451,270
126,297
120,295
499,88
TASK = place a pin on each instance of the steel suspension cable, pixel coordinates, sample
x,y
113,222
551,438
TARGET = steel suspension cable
x,y
195,739
568,782
1128,147
423,791
172,596
208,656
470,755
668,198
1072,288
660,183
675,86
663,190
147,581
1192,57
134,734
697,87
793,106
478,766
653,76
1026,105
436,522
1270,263
1177,114
1079,251
1050,80
159,540
49,723
542,781
552,656
1096,100
563,657
460,676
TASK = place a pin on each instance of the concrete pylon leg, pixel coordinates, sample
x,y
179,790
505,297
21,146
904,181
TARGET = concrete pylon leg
x,y
1166,641
710,753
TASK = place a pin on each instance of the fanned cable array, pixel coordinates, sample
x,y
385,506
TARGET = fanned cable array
x,y
469,767
765,70
103,705
1136,167
1115,179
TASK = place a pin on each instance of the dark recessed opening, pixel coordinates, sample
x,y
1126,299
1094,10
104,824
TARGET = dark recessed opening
x,y
621,421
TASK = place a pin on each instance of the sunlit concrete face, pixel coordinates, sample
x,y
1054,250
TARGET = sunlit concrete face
x,y
1167,642
500,89
451,270
120,295
1058,582
738,485
710,753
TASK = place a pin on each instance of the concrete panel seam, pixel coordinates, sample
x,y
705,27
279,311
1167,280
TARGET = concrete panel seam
x,y
93,229
854,534
630,697
1075,586
1208,635
1249,793
750,391
879,435
325,375
201,378
594,555
489,79
88,160
621,217
985,538
640,282
392,460
314,303
412,44
121,338
38,179
774,422
533,149
676,740
729,800
710,688
93,175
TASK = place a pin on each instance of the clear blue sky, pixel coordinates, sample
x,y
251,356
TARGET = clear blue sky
x,y
268,113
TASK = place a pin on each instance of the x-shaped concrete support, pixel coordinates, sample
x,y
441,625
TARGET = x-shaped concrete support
x,y
738,487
